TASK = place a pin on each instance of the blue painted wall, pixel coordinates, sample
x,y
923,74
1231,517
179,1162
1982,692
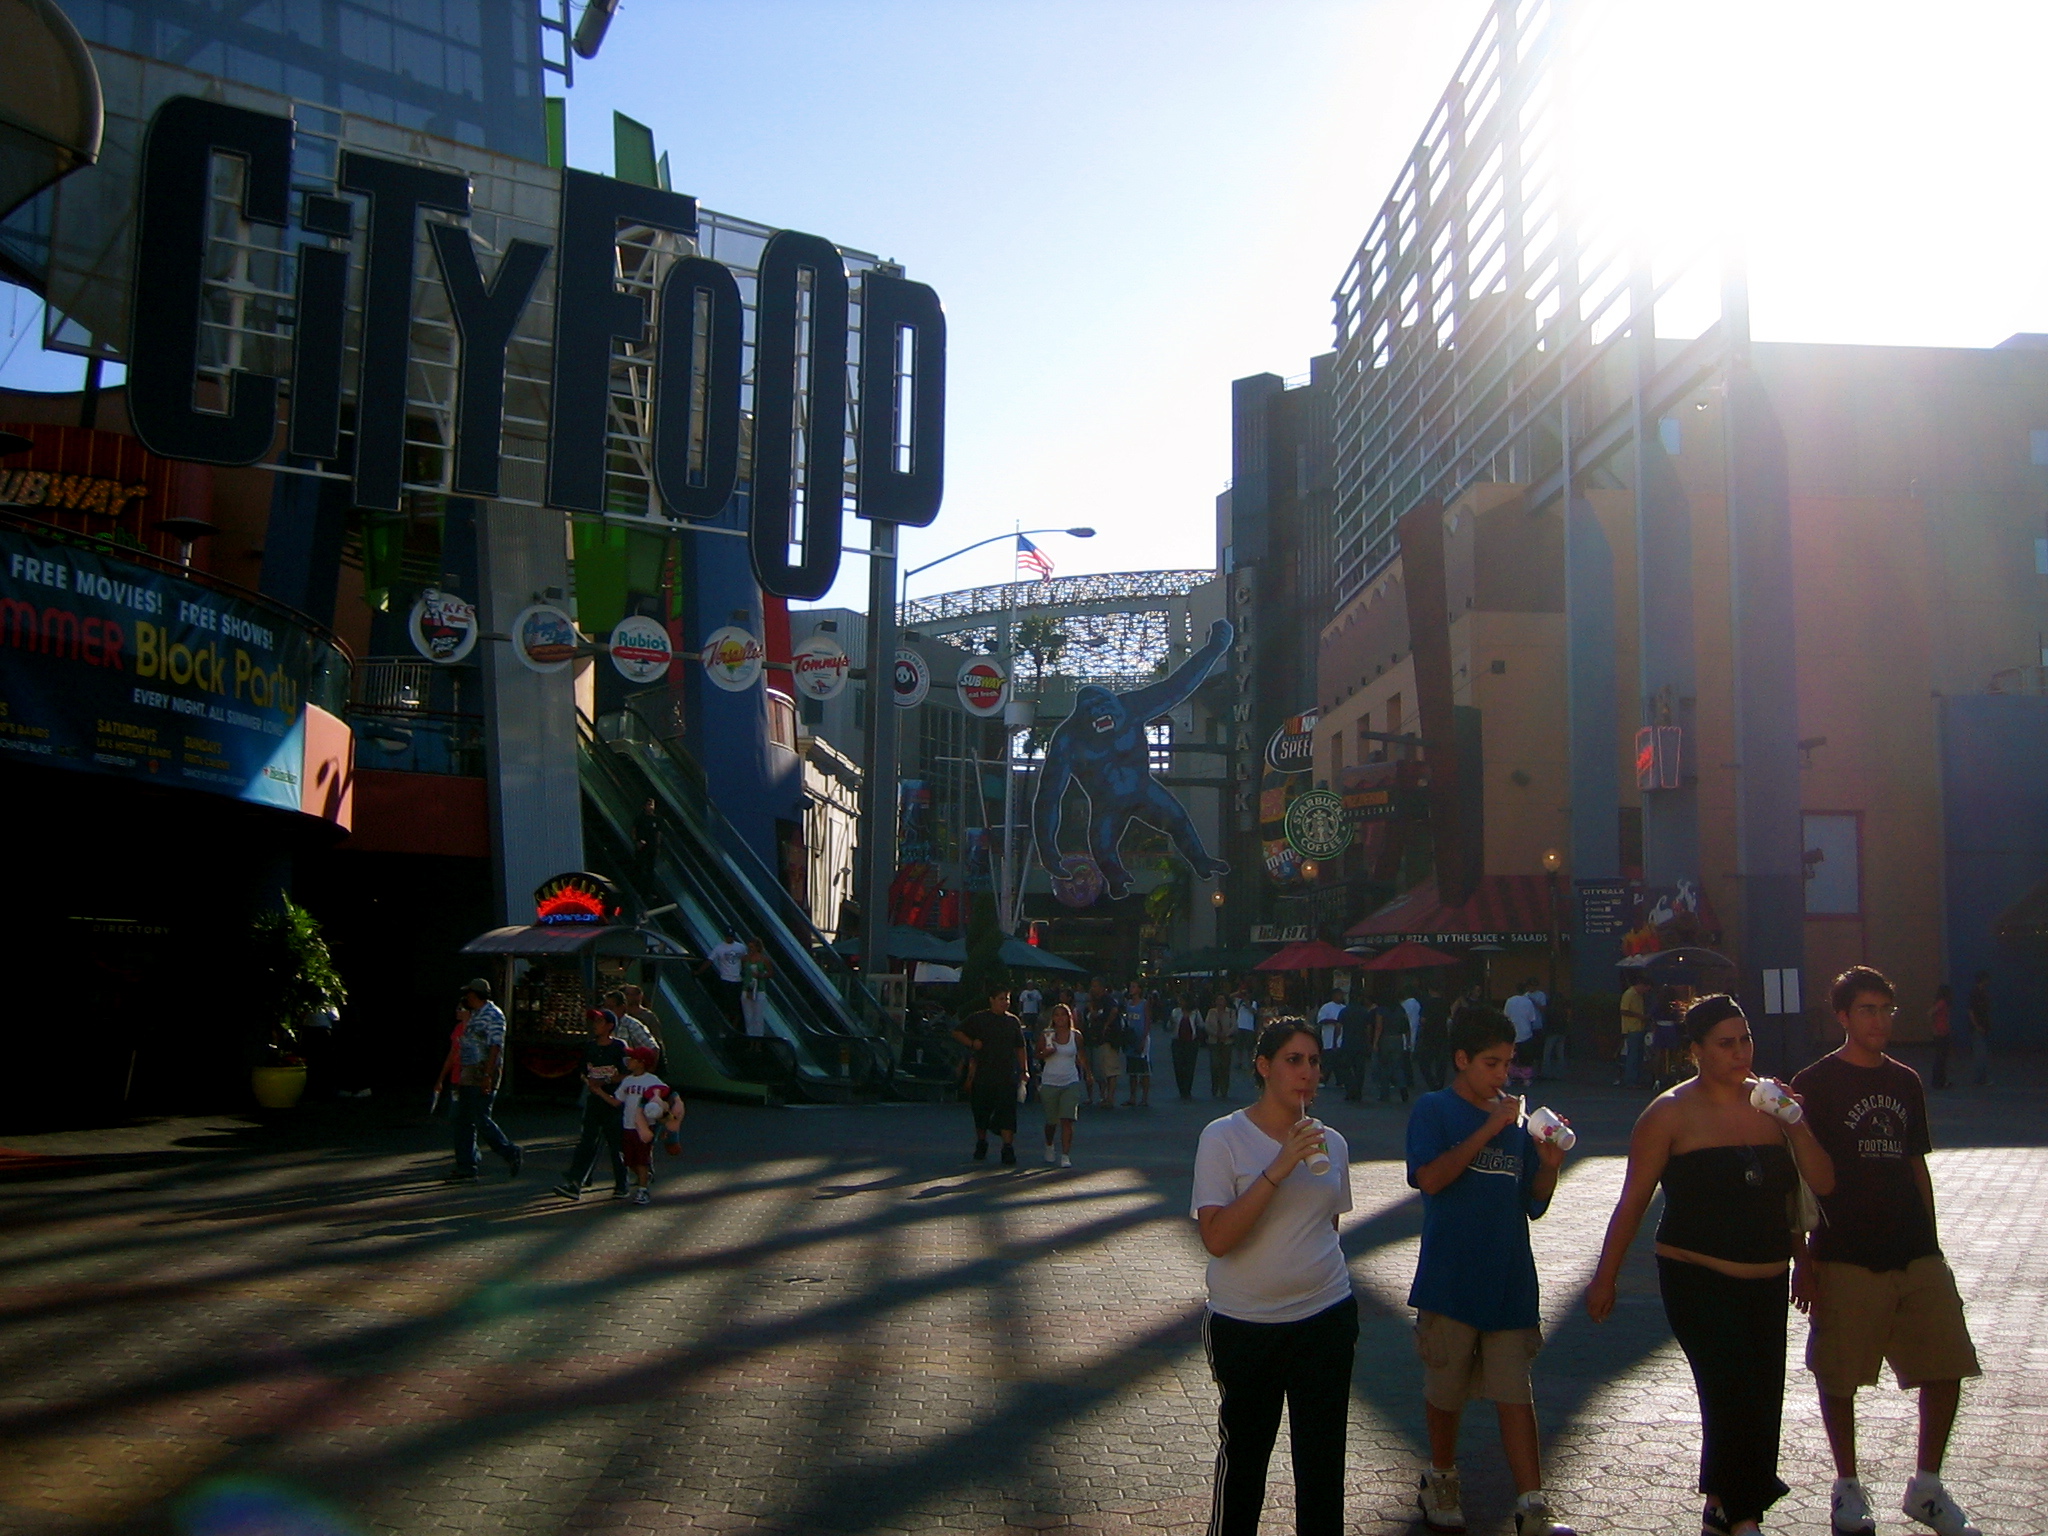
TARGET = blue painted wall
x,y
753,783
1995,809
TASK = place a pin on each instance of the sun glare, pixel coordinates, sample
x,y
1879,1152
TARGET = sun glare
x,y
1847,154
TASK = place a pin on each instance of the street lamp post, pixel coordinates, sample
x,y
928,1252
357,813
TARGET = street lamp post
x,y
878,811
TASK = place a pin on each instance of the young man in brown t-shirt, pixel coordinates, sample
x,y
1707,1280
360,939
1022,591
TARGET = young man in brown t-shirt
x,y
1873,1276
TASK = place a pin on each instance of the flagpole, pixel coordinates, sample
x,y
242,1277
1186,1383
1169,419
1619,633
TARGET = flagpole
x,y
1008,898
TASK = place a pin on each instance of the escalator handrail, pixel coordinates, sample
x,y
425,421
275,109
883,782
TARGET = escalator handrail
x,y
693,992
730,838
799,1006
712,824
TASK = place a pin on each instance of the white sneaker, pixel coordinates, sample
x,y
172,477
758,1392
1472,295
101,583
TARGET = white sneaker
x,y
1928,1502
1066,1161
1441,1500
1052,1154
1533,1517
1852,1516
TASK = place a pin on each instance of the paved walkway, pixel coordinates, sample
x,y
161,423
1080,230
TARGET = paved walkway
x,y
829,1321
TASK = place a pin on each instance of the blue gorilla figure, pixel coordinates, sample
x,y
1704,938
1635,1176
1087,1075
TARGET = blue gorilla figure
x,y
1102,747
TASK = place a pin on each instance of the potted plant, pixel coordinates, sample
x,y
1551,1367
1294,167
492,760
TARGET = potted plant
x,y
293,976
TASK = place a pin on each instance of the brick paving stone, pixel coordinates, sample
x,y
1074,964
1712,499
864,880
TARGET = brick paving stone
x,y
831,1322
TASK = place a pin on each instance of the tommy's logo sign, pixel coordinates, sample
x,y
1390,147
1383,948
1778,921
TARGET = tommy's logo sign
x,y
802,293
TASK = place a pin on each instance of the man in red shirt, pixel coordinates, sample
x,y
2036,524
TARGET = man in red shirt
x,y
1873,1277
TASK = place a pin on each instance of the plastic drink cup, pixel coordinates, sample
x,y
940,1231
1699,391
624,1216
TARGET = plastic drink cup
x,y
1772,1099
1319,1159
1547,1124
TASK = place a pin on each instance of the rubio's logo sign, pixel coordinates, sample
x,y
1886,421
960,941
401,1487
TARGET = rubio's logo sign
x,y
1292,748
801,288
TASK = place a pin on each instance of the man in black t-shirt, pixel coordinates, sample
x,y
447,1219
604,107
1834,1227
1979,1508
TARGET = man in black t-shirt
x,y
996,1037
1873,1276
604,1064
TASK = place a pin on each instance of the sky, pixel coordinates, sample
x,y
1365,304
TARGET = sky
x,y
1126,204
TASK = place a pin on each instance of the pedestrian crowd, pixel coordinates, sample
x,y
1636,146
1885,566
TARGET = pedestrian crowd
x,y
1812,1194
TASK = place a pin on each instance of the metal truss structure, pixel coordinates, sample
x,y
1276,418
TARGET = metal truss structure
x,y
1473,324
1120,629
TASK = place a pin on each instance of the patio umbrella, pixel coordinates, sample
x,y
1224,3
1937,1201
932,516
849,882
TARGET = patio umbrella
x,y
1309,955
1019,956
1411,957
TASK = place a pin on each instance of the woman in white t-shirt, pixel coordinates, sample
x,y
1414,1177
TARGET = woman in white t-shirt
x,y
1059,1087
1282,1322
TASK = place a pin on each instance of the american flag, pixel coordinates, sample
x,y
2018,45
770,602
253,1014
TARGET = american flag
x,y
1031,558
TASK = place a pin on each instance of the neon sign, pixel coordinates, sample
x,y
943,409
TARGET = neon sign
x,y
577,897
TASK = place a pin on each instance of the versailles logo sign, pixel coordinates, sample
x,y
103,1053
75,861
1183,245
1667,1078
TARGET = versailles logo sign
x,y
802,328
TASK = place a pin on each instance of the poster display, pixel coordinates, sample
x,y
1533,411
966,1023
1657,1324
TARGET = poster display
x,y
1292,748
819,667
640,649
733,658
108,667
544,637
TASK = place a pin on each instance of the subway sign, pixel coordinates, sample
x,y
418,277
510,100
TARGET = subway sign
x,y
694,327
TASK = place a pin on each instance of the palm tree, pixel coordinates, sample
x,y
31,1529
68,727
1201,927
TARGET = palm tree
x,y
1044,639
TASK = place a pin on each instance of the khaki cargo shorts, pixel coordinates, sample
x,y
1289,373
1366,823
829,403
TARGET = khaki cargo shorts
x,y
1911,1317
1460,1363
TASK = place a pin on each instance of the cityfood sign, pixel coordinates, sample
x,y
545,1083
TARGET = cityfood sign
x,y
802,333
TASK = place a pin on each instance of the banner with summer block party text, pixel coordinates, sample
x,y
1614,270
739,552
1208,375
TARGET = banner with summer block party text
x,y
110,667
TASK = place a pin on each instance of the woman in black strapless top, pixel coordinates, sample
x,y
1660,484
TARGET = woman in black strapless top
x,y
1731,1177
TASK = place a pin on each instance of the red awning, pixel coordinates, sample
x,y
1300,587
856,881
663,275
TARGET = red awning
x,y
1506,909
1311,955
1412,957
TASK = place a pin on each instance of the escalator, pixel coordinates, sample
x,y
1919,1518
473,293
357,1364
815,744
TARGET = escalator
x,y
828,1039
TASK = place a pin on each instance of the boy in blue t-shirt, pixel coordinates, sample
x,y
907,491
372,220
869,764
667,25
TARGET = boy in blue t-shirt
x,y
1483,1178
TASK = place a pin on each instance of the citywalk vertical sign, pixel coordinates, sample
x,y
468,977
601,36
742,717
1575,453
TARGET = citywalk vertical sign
x,y
358,285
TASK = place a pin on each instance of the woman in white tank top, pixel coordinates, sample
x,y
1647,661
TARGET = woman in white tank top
x,y
1059,1088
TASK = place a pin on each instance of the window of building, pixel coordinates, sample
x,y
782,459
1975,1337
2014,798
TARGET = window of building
x,y
1396,750
1834,863
1631,841
781,719
1159,741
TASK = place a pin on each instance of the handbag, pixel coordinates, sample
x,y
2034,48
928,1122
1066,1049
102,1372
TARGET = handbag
x,y
1803,1205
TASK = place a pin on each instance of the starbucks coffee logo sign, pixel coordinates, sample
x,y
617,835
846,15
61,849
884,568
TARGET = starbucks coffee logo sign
x,y
1317,825
1292,748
